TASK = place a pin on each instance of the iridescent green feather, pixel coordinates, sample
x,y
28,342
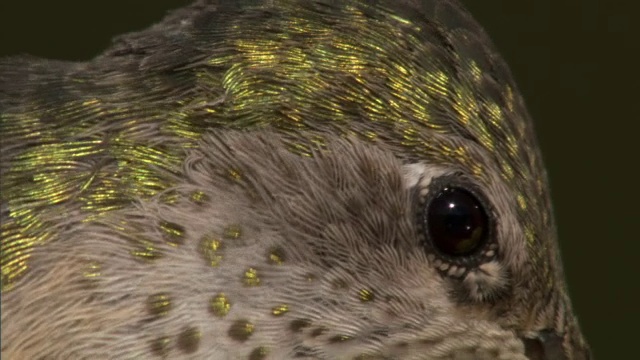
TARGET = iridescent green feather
x,y
82,139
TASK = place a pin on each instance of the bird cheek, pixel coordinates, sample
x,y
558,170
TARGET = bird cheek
x,y
486,282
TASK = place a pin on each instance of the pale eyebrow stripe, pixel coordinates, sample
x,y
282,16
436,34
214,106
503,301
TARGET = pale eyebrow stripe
x,y
421,173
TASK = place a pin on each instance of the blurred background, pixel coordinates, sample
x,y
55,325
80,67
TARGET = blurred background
x,y
576,63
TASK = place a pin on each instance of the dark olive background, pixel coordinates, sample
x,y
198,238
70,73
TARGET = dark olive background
x,y
576,64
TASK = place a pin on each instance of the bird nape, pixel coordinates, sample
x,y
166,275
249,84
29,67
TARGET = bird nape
x,y
284,179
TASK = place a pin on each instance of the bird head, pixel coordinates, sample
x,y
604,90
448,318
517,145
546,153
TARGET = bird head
x,y
281,179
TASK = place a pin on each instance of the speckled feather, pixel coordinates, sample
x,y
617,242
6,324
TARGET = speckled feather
x,y
239,181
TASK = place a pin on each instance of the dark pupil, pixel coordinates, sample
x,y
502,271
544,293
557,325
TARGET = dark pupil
x,y
456,222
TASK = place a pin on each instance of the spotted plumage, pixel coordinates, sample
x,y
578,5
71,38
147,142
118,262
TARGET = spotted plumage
x,y
261,180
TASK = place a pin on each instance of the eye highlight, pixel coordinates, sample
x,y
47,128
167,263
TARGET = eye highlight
x,y
455,221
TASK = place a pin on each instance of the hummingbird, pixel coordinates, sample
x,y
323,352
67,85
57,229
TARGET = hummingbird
x,y
281,179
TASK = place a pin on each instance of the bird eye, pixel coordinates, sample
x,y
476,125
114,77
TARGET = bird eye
x,y
455,221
